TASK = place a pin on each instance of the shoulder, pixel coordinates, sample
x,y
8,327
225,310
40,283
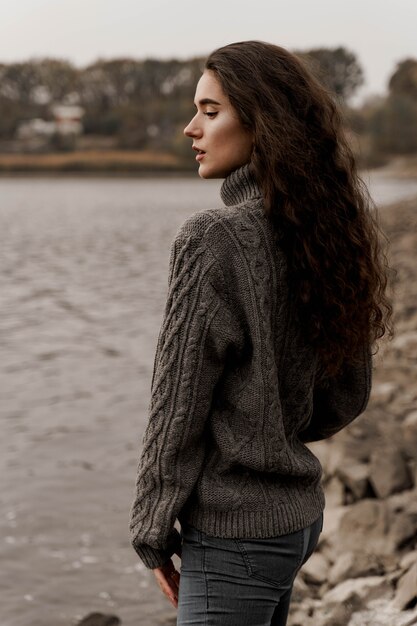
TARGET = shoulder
x,y
205,223
201,230
199,224
207,239
218,227
229,235
191,246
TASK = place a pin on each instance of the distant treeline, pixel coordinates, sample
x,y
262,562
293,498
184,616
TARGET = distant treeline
x,y
144,104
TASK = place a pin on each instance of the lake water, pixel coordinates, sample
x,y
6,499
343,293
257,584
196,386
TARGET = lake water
x,y
83,281
385,190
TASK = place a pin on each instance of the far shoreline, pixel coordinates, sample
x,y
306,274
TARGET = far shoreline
x,y
45,173
95,162
143,164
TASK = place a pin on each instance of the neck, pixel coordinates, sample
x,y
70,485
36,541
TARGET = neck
x,y
240,186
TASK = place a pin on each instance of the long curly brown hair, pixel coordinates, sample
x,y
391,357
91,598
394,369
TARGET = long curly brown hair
x,y
305,167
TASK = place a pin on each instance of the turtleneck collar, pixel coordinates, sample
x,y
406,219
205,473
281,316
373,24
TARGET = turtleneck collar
x,y
240,186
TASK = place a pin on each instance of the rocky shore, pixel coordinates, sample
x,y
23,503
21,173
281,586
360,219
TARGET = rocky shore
x,y
84,266
364,572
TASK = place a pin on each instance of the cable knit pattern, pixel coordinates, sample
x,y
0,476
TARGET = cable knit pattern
x,y
234,396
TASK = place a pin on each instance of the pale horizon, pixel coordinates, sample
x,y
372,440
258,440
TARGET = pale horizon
x,y
380,35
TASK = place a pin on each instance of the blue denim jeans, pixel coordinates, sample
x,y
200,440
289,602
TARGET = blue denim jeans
x,y
240,582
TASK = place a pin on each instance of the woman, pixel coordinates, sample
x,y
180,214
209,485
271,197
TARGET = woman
x,y
275,302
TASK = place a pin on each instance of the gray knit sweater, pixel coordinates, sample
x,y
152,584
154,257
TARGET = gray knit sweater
x,y
234,393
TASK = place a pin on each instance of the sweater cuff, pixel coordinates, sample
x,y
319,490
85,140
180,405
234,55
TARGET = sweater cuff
x,y
154,557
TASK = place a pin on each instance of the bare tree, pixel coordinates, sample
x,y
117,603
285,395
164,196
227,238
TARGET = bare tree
x,y
337,68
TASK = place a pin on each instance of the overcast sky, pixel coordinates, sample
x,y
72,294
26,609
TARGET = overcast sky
x,y
380,32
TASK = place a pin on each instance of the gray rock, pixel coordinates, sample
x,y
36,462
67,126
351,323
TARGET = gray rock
x,y
373,526
329,553
316,569
301,613
355,564
299,617
402,517
300,590
409,431
408,560
336,614
332,520
334,492
383,393
407,588
100,619
408,618
405,501
365,588
412,468
388,472
401,531
380,612
363,525
405,341
355,478
167,620
330,455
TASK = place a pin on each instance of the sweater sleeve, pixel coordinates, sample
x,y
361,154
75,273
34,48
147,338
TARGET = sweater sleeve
x,y
197,329
337,401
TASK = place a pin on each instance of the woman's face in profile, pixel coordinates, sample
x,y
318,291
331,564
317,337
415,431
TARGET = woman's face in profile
x,y
221,142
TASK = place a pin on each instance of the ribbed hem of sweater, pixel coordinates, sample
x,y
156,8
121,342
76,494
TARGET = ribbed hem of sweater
x,y
240,186
152,557
287,518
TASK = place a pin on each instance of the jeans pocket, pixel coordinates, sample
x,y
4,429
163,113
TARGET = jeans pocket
x,y
273,560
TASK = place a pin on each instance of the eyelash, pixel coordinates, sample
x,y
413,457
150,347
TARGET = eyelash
x,y
210,114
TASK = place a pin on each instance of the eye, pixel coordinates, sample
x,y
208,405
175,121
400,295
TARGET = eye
x,y
210,114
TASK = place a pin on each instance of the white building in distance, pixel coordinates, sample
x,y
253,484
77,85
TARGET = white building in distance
x,y
67,121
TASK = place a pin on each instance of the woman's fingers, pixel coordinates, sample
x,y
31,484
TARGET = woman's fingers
x,y
168,590
168,580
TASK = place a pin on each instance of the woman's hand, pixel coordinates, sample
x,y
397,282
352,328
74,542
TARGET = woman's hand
x,y
169,580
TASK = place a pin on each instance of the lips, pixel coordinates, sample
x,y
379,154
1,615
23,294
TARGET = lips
x,y
200,153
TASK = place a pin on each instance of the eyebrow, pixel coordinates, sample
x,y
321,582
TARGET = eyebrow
x,y
207,101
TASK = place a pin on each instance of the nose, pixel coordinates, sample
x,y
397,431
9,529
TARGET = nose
x,y
191,130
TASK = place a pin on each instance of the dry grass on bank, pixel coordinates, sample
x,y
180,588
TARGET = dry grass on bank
x,y
114,161
91,161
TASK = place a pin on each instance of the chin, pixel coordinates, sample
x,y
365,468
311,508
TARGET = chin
x,y
210,173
